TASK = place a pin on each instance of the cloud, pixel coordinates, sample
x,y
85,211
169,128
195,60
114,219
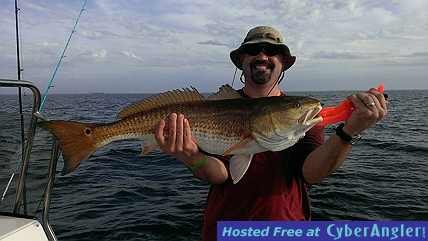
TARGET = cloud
x,y
49,45
99,54
34,7
177,42
90,34
338,55
420,54
213,42
131,55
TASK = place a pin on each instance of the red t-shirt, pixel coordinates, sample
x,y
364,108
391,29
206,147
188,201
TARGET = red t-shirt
x,y
273,188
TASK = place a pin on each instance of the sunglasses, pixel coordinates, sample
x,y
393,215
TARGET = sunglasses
x,y
268,49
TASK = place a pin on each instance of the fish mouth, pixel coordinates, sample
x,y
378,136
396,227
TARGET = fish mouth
x,y
310,118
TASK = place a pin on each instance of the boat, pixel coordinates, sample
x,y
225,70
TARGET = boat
x,y
16,224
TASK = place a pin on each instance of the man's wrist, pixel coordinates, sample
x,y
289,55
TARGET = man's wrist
x,y
345,136
202,162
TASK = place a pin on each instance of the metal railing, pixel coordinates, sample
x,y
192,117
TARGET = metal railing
x,y
26,157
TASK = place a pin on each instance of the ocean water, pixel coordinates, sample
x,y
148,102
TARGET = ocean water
x,y
117,194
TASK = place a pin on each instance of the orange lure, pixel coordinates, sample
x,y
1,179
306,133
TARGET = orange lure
x,y
341,111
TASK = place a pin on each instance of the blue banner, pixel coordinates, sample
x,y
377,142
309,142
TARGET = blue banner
x,y
322,230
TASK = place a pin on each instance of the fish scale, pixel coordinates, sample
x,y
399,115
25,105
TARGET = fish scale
x,y
223,124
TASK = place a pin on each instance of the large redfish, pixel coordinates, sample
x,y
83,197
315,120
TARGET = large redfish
x,y
223,124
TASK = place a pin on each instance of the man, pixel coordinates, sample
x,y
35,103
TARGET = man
x,y
274,187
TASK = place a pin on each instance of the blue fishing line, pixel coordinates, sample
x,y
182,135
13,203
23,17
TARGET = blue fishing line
x,y
60,59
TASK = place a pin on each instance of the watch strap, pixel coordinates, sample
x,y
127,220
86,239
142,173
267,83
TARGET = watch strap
x,y
345,137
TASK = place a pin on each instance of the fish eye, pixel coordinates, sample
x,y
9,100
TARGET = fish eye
x,y
88,131
297,105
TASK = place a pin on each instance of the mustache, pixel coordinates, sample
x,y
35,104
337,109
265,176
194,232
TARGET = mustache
x,y
264,62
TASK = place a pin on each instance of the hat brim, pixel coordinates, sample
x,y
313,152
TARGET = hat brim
x,y
235,55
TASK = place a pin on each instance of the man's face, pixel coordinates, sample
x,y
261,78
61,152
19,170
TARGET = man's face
x,y
262,63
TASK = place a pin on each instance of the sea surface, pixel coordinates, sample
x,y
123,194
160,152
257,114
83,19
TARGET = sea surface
x,y
117,194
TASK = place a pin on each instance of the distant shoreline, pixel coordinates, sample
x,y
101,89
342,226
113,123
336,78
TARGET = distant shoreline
x,y
153,93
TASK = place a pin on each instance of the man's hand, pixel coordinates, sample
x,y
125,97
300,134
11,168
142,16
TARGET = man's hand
x,y
370,109
179,141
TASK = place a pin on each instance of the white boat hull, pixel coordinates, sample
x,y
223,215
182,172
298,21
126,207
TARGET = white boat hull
x,y
18,229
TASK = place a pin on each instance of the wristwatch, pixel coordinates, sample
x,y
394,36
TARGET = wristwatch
x,y
345,137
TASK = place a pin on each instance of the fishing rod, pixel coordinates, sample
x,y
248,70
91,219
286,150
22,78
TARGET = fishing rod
x,y
18,60
50,85
18,153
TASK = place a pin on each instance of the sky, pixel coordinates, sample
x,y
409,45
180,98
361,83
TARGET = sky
x,y
154,46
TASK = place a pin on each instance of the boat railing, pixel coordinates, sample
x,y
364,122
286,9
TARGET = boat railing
x,y
19,196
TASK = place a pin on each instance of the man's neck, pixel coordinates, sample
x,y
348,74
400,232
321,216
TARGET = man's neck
x,y
257,91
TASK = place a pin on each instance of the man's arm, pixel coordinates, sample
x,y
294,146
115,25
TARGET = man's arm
x,y
179,144
328,157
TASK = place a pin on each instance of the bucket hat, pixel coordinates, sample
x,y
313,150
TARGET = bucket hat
x,y
263,34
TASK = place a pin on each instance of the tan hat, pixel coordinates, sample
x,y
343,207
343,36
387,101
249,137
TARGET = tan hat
x,y
262,34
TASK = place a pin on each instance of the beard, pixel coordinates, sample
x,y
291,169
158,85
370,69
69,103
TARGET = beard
x,y
260,77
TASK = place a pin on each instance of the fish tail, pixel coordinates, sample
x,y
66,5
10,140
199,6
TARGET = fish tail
x,y
77,141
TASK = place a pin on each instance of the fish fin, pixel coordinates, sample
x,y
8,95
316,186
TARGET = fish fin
x,y
238,166
76,141
225,92
239,145
148,148
148,144
162,99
